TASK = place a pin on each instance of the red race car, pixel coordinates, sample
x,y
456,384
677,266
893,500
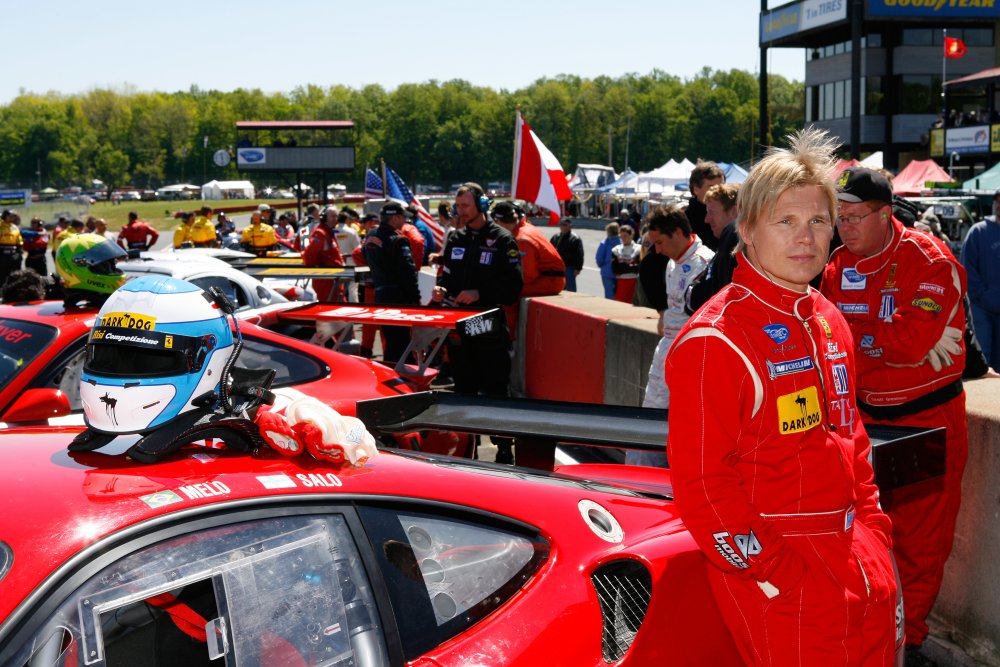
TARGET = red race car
x,y
410,559
42,352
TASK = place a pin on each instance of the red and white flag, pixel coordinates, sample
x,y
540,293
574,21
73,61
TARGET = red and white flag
x,y
538,176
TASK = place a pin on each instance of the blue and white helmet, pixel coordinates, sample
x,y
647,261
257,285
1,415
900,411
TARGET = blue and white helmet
x,y
158,343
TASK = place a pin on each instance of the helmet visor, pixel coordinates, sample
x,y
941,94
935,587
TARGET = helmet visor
x,y
121,352
101,258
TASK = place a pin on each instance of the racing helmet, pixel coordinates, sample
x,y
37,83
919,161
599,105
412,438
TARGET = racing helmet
x,y
87,262
159,348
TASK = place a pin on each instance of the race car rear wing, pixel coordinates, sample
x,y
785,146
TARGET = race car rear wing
x,y
900,455
430,326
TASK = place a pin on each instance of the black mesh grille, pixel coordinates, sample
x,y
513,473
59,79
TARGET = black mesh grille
x,y
623,589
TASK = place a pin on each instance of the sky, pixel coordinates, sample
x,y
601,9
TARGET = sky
x,y
70,47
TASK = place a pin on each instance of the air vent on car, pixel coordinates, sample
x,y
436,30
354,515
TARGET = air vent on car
x,y
623,589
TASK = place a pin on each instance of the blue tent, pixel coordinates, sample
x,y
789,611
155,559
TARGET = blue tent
x,y
988,180
734,172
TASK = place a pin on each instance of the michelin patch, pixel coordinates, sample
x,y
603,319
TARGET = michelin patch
x,y
798,411
774,369
853,308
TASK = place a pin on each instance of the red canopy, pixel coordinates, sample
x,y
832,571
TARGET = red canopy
x,y
910,181
842,165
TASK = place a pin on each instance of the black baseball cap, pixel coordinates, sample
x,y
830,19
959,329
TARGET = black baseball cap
x,y
505,212
369,217
858,184
394,208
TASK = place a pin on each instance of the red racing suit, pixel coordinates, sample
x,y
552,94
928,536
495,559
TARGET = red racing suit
x,y
323,251
778,493
542,269
898,304
137,235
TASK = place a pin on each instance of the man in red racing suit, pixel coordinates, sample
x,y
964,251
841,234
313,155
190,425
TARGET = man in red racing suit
x,y
769,463
901,292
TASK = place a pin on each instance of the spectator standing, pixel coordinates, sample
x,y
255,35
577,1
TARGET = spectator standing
x,y
570,247
202,231
322,250
258,237
704,175
182,233
777,494
393,274
413,236
307,225
366,288
137,234
11,245
603,259
36,242
542,270
348,241
687,256
721,212
481,269
430,247
901,292
625,264
981,259
75,227
101,229
284,232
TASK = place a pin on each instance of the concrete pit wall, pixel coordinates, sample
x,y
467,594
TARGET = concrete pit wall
x,y
590,349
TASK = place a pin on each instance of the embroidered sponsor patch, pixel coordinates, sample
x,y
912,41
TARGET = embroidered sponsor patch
x,y
887,307
798,411
926,304
777,332
774,369
486,257
457,253
826,326
727,551
840,383
128,321
868,341
932,288
161,499
851,280
853,308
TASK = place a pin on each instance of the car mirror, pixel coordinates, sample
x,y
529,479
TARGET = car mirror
x,y
37,405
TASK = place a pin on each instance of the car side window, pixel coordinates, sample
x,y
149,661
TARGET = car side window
x,y
277,591
291,366
232,290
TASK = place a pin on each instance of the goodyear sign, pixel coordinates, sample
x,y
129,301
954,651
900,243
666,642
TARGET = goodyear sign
x,y
799,17
934,9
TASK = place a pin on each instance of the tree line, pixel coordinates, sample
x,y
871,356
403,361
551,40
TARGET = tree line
x,y
431,132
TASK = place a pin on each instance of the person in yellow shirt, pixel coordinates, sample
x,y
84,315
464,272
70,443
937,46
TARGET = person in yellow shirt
x,y
11,245
182,235
202,233
259,237
75,227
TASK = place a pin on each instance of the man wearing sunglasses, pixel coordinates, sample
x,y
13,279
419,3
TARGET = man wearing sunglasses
x,y
901,292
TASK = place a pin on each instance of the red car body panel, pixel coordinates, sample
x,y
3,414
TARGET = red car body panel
x,y
59,504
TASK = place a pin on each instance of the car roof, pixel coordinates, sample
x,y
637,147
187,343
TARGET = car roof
x,y
63,502
53,313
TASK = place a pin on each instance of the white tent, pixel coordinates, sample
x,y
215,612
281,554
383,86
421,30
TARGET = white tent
x,y
873,161
169,190
227,190
624,183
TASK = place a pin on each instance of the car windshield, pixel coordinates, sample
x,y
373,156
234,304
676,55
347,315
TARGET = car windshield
x,y
20,343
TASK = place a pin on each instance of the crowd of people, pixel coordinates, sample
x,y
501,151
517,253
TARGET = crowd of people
x,y
823,303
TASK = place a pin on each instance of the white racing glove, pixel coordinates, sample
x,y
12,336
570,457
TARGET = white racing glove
x,y
950,345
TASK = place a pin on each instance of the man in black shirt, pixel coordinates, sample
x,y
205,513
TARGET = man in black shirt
x,y
703,176
570,247
393,273
481,269
720,201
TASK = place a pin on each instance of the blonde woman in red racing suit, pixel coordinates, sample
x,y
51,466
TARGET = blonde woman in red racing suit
x,y
769,461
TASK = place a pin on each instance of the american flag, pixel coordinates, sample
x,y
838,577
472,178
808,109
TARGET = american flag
x,y
373,184
396,189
